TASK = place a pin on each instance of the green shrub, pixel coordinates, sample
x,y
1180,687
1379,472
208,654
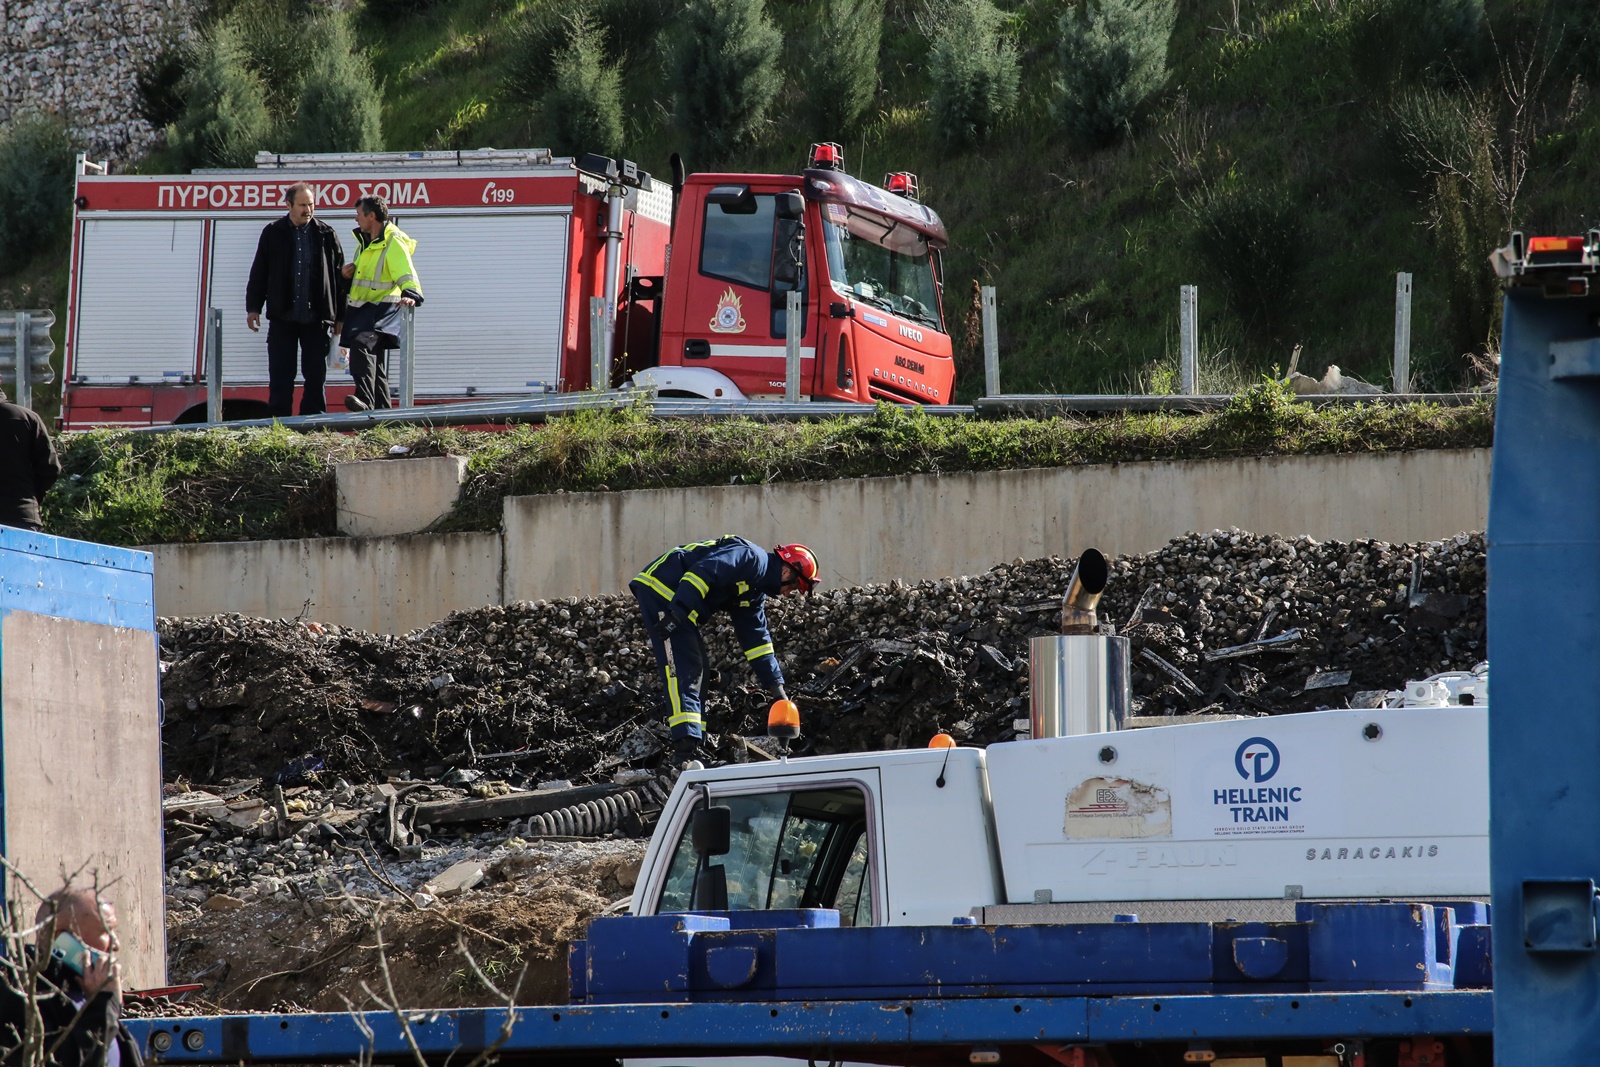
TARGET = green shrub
x,y
583,109
279,40
973,65
1112,56
338,109
633,28
1250,241
1395,40
35,186
225,119
532,43
725,63
842,72
160,81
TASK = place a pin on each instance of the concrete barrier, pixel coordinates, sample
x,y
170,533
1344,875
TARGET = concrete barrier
x,y
384,497
381,584
864,530
919,526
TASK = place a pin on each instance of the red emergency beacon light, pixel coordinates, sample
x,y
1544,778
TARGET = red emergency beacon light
x,y
902,183
827,156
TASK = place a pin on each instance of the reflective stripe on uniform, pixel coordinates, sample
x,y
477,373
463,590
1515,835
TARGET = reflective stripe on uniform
x,y
694,617
742,588
758,651
675,699
698,582
644,577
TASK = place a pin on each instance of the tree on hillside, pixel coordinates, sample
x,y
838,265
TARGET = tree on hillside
x,y
725,65
225,119
583,108
338,110
1112,56
842,77
973,64
35,166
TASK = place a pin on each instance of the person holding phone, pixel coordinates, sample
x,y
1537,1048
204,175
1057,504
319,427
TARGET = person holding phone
x,y
79,988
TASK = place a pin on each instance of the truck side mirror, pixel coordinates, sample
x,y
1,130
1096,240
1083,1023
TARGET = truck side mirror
x,y
711,831
733,199
788,240
790,205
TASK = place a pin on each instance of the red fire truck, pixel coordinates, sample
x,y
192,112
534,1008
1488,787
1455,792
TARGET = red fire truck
x,y
511,247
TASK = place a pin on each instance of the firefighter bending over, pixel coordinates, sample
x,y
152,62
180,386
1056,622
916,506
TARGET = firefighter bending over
x,y
684,587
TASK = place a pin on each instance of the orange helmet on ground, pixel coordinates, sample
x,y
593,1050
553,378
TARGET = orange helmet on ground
x,y
804,562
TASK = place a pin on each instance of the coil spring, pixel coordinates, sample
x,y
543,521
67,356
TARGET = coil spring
x,y
596,816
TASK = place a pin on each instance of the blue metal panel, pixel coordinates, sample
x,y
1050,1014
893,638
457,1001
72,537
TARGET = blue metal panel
x,y
1544,718
800,1027
68,579
946,961
1377,946
1283,1015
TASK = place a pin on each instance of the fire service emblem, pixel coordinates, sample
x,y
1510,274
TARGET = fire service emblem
x,y
730,314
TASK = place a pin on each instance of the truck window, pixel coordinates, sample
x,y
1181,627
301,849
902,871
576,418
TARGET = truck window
x,y
881,262
738,248
805,849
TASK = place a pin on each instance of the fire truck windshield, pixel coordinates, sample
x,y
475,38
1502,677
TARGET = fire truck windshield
x,y
882,262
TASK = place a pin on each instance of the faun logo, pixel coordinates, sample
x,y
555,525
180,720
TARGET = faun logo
x,y
910,364
907,331
729,317
1256,760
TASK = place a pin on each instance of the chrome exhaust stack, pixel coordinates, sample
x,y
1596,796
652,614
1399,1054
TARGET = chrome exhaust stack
x,y
1078,681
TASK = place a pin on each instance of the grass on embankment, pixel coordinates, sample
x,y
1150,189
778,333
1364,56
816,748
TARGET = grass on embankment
x,y
226,485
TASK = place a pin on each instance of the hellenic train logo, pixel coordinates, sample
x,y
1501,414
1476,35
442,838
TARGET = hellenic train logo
x,y
1257,760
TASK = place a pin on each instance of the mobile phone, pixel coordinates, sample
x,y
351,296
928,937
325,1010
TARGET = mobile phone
x,y
70,952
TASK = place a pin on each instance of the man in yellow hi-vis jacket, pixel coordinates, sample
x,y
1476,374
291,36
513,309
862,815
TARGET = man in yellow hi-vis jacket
x,y
382,281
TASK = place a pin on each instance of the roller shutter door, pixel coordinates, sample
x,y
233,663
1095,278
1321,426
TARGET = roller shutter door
x,y
138,299
495,301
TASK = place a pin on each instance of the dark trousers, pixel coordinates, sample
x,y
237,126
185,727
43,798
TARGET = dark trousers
x,y
370,368
682,671
284,340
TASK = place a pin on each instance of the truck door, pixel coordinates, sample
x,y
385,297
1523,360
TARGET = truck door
x,y
808,847
735,313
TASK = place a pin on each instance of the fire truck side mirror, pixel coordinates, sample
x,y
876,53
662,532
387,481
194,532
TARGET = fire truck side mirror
x,y
790,205
732,199
788,246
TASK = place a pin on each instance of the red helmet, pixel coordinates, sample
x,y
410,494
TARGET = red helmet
x,y
804,562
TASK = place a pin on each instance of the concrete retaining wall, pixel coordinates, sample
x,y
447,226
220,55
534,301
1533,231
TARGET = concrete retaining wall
x,y
864,530
380,584
875,529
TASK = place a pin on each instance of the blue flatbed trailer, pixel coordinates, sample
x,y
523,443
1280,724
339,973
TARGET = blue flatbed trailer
x,y
912,1031
1339,979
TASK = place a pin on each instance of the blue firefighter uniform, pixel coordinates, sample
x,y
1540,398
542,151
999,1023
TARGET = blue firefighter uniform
x,y
683,588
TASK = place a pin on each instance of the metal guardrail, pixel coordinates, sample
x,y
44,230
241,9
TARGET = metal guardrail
x,y
540,408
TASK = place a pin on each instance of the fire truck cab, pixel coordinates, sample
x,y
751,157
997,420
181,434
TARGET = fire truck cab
x,y
541,274
864,259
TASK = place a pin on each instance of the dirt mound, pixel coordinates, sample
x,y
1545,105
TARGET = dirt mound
x,y
566,689
314,955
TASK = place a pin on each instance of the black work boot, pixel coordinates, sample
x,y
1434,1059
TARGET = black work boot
x,y
686,754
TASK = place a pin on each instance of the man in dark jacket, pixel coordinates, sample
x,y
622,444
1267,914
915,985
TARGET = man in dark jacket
x,y
78,989
296,277
28,465
684,587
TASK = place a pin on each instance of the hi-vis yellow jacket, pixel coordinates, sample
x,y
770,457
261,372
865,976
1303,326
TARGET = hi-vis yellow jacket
x,y
384,270
383,274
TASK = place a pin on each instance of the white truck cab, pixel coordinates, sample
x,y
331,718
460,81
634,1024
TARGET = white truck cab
x,y
1229,819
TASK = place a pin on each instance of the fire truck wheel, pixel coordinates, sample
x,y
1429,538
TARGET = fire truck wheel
x,y
232,411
